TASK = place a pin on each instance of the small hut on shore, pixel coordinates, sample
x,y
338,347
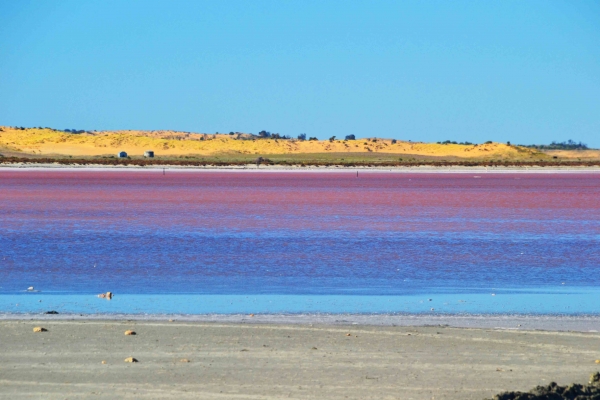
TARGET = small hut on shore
x,y
122,154
149,154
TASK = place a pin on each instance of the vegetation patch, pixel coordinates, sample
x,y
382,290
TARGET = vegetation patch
x,y
568,145
556,392
299,162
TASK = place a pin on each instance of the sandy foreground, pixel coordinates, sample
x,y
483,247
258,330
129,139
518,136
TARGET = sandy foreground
x,y
283,361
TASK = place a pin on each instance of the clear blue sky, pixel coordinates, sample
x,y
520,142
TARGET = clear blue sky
x,y
524,71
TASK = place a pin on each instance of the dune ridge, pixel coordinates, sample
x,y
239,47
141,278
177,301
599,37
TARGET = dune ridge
x,y
46,141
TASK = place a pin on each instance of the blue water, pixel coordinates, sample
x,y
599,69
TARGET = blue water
x,y
198,243
565,300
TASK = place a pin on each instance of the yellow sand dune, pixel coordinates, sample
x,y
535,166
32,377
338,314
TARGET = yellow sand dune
x,y
171,143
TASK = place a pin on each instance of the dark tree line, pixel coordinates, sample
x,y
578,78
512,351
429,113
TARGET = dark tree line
x,y
265,161
567,145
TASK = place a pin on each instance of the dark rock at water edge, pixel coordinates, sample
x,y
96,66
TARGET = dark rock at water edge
x,y
51,312
555,392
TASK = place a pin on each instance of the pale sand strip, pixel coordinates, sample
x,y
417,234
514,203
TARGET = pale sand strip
x,y
324,169
259,361
553,323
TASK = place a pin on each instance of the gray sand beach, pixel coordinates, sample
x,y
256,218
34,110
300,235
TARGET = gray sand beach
x,y
273,361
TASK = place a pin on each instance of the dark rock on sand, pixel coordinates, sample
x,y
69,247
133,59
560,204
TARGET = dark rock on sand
x,y
555,392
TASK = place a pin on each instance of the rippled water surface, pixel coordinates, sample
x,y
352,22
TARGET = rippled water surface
x,y
380,242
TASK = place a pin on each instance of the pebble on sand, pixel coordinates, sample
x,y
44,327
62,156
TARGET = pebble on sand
x,y
103,362
184,360
130,333
131,360
597,361
347,334
39,329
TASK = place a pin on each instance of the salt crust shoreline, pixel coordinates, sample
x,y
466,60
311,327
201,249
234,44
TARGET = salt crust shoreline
x,y
556,323
277,168
201,360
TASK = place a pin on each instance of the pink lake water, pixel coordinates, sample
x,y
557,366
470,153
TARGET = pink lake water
x,y
225,242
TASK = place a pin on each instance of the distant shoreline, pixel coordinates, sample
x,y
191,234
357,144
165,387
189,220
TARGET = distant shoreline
x,y
324,169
